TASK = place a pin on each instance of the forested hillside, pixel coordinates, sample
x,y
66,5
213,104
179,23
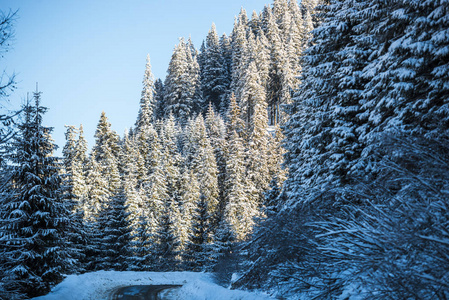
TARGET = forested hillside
x,y
364,212
305,155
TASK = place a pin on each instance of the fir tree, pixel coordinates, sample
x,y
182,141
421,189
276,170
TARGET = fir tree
x,y
98,195
200,158
193,83
105,152
79,170
34,218
239,57
142,247
182,84
197,256
239,210
159,99
190,193
226,54
167,249
115,242
214,73
235,122
216,132
147,100
154,187
75,192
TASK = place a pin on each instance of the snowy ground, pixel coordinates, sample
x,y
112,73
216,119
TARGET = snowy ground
x,y
99,285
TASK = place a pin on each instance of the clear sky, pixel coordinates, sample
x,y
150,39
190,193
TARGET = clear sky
x,y
88,56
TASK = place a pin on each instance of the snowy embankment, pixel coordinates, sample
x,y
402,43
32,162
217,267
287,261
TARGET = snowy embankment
x,y
99,285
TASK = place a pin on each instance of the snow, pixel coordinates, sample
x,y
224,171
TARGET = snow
x,y
99,285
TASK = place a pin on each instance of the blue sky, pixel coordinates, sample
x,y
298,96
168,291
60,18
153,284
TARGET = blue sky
x,y
89,55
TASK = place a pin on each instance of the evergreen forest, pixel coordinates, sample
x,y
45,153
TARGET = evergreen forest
x,y
305,155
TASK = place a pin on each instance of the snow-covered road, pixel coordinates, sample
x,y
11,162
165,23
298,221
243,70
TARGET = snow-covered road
x,y
102,284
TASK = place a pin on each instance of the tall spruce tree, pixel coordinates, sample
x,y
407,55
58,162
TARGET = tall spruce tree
x,y
154,187
201,159
226,54
75,193
239,211
79,168
147,101
216,132
197,255
115,241
190,193
105,152
159,97
167,249
34,218
214,72
182,84
239,45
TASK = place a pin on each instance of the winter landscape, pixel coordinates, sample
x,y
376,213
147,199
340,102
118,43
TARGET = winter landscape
x,y
303,155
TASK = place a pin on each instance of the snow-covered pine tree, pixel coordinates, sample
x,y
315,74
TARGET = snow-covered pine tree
x,y
154,187
159,96
226,54
216,132
134,203
255,23
167,238
105,152
197,255
182,83
104,182
80,191
408,78
201,159
190,193
110,209
128,157
172,162
278,59
213,73
147,101
254,110
68,151
79,170
281,14
193,82
97,197
142,247
176,99
239,45
34,219
235,122
239,210
253,94
275,158
74,183
115,240
323,133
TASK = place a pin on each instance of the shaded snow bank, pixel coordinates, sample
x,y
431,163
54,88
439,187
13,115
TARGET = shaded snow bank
x,y
99,285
